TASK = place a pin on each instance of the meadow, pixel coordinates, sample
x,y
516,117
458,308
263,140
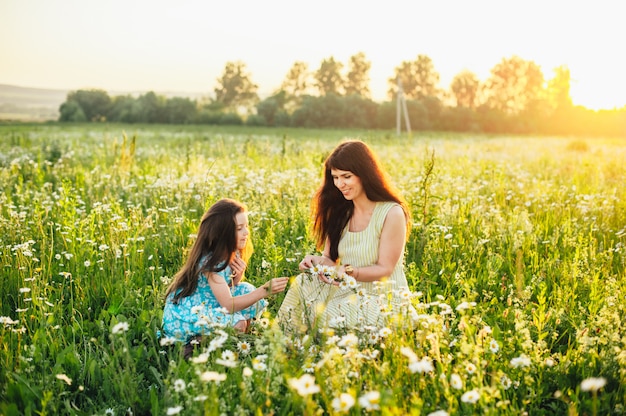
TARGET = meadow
x,y
516,262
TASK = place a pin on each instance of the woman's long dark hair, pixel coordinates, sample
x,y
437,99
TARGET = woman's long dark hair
x,y
331,211
217,240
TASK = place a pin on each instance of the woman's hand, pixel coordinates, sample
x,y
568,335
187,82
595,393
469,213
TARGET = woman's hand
x,y
310,261
276,285
326,280
238,267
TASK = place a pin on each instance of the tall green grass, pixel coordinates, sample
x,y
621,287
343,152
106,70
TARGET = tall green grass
x,y
515,261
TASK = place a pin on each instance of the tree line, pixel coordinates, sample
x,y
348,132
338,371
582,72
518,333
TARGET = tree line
x,y
516,98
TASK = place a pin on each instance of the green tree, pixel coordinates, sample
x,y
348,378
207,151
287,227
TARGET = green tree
x,y
272,110
124,108
464,88
559,89
419,79
357,80
235,88
71,111
296,84
515,86
95,103
151,108
328,77
180,110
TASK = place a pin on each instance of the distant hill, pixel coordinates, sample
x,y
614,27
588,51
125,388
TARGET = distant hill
x,y
30,104
40,104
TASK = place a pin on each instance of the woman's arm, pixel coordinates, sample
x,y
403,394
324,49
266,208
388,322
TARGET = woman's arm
x,y
236,303
390,248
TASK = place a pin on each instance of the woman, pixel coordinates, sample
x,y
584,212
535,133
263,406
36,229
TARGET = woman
x,y
208,290
362,224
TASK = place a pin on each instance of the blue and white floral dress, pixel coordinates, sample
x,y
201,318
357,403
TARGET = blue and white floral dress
x,y
200,312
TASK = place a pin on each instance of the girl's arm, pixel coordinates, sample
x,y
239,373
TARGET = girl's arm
x,y
390,248
236,303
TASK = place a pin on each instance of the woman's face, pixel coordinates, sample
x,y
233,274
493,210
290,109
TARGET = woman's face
x,y
348,183
241,221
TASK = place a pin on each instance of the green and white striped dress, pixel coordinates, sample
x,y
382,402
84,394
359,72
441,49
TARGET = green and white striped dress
x,y
311,303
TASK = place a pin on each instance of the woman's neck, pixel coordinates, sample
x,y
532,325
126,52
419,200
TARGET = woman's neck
x,y
363,205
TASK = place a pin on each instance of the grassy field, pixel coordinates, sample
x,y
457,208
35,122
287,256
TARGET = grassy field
x,y
516,264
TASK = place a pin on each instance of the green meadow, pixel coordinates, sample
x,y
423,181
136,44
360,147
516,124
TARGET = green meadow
x,y
516,263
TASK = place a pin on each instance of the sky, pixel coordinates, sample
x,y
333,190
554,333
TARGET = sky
x,y
183,45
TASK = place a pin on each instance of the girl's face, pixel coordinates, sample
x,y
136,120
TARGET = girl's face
x,y
348,183
242,232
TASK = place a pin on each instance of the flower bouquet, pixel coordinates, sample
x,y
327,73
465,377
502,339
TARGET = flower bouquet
x,y
333,274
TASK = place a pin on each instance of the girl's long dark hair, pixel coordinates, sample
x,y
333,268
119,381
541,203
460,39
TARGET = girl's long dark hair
x,y
217,240
331,211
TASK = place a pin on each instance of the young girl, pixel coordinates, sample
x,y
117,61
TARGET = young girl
x,y
208,289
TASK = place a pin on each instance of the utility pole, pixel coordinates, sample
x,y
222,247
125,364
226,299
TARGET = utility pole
x,y
401,106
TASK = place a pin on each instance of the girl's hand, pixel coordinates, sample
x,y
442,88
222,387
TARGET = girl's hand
x,y
238,267
276,285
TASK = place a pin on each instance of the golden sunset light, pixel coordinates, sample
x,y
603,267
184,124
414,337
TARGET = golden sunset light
x,y
166,46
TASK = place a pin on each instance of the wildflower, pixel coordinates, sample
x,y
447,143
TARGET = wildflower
x,y
370,401
246,372
372,338
174,410
465,305
103,247
165,341
119,328
87,263
425,365
405,295
471,396
24,289
109,412
456,382
258,364
227,359
505,382
439,413
64,378
593,384
493,346
200,398
408,353
521,361
349,340
244,347
179,385
550,362
200,358
212,376
343,403
470,368
6,320
304,385
384,332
